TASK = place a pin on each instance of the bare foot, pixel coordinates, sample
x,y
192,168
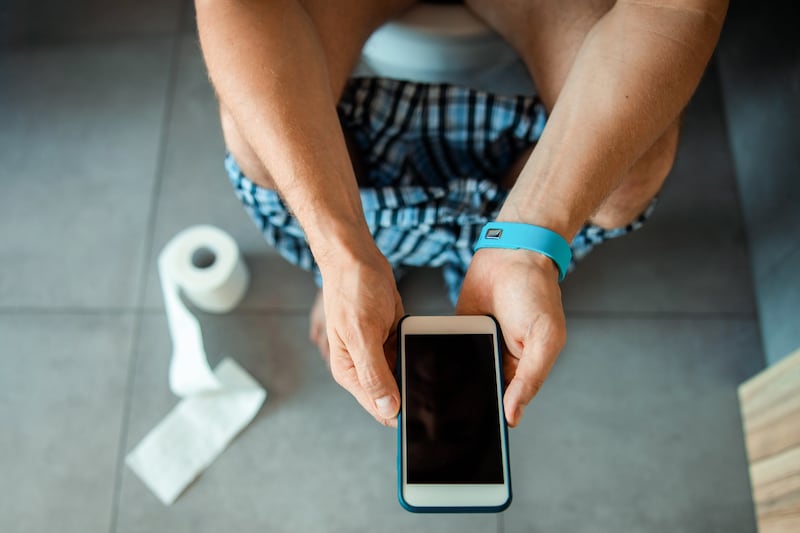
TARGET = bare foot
x,y
318,332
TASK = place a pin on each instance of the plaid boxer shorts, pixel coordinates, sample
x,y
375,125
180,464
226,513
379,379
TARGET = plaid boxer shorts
x,y
435,156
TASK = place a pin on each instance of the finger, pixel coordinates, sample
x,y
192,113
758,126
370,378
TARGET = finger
x,y
318,332
523,387
539,355
390,351
319,336
376,380
466,305
348,379
390,346
510,364
360,367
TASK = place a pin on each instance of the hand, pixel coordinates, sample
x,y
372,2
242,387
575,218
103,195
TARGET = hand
x,y
520,289
362,309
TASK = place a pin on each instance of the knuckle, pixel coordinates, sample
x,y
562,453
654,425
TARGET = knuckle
x,y
339,375
385,422
534,386
370,381
357,335
559,338
551,331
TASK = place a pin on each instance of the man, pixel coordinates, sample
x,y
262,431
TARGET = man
x,y
613,76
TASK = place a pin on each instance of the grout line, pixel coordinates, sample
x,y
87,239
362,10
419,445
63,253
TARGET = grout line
x,y
41,42
44,44
501,525
66,310
267,312
295,312
149,237
149,310
661,315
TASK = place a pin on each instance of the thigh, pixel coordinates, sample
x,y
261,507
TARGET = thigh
x,y
545,33
344,26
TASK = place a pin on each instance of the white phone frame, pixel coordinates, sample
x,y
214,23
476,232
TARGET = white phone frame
x,y
452,497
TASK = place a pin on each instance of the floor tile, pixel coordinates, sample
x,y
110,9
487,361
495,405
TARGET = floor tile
x,y
195,190
778,306
638,429
189,18
760,75
424,292
692,254
79,144
311,461
62,384
25,22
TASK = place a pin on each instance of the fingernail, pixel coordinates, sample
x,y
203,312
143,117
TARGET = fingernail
x,y
386,406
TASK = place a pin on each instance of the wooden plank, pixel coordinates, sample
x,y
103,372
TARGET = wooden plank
x,y
780,435
773,385
770,404
779,524
776,475
777,515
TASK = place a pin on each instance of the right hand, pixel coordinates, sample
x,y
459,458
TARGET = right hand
x,y
362,309
520,289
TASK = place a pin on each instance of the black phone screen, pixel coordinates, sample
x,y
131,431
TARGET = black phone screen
x,y
451,414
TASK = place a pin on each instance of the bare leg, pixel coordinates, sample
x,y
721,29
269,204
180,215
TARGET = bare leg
x,y
343,28
547,34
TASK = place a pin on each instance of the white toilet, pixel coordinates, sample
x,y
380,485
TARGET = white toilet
x,y
441,43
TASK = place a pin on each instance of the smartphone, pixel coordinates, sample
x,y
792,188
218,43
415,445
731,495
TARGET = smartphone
x,y
452,433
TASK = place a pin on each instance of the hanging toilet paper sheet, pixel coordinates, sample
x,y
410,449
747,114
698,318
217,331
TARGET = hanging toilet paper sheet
x,y
203,262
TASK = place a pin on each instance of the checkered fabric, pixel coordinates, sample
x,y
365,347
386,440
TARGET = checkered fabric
x,y
434,157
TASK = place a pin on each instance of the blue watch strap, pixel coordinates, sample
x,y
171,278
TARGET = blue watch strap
x,y
515,236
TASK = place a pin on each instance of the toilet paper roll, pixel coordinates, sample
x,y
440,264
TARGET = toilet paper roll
x,y
204,264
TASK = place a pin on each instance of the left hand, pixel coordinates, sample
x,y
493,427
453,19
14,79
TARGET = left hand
x,y
520,289
362,309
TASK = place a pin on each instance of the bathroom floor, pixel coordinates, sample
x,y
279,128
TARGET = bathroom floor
x,y
110,144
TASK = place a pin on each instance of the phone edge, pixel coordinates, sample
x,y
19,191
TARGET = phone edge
x,y
451,510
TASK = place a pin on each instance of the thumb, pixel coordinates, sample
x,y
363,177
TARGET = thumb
x,y
527,381
538,357
378,387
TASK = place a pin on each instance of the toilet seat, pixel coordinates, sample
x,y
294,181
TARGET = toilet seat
x,y
435,43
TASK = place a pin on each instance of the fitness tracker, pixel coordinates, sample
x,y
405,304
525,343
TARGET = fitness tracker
x,y
515,236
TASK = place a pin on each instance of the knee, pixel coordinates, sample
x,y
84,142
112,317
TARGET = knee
x,y
651,170
641,184
226,120
242,152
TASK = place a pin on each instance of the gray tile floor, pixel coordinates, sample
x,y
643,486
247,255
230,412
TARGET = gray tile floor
x,y
110,144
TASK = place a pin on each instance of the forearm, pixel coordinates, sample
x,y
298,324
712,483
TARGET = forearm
x,y
268,67
633,74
